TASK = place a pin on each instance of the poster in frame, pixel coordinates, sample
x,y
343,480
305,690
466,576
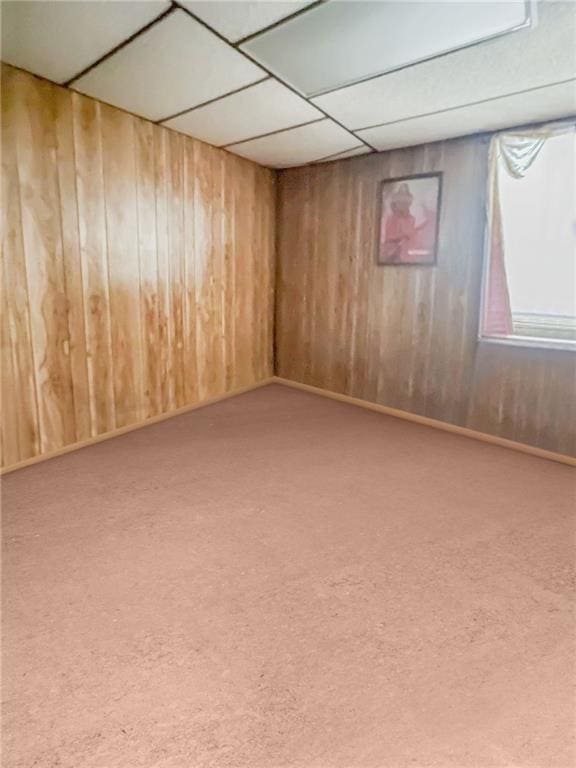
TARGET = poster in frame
x,y
409,220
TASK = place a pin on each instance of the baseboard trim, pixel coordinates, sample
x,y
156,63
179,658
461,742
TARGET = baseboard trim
x,y
425,421
131,427
395,412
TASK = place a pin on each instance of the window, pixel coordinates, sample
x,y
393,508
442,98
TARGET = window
x,y
530,271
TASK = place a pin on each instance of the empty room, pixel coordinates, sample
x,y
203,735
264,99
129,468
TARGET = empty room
x,y
288,384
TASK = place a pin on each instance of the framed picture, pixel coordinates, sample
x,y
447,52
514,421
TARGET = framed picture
x,y
409,217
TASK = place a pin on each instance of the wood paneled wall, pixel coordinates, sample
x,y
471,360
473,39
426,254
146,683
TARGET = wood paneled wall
x,y
406,337
137,269
137,278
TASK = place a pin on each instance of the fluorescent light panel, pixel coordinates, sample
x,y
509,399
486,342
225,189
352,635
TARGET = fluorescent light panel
x,y
533,57
340,43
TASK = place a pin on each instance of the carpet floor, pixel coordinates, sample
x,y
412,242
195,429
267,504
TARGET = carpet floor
x,y
283,581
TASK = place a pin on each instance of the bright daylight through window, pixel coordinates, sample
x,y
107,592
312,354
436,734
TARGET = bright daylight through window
x,y
530,278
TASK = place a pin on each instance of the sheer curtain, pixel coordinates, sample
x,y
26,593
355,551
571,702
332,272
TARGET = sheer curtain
x,y
512,153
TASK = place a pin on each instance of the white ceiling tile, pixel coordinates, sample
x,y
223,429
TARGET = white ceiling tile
x,y
262,108
339,43
57,40
171,67
546,103
236,20
363,150
525,59
297,145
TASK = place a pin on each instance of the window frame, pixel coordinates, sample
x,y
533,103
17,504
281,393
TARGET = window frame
x,y
531,342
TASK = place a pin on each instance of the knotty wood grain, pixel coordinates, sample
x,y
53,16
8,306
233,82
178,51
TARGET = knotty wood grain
x,y
20,419
123,269
42,238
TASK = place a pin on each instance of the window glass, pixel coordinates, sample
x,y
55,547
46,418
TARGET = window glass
x,y
530,289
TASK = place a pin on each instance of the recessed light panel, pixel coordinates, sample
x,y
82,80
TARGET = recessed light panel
x,y
533,57
339,43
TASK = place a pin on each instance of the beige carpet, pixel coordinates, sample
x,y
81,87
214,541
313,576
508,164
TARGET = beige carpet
x,y
283,581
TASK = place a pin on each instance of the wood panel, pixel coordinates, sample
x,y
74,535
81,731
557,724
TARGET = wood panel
x,y
35,123
72,259
148,267
87,123
20,435
407,337
123,268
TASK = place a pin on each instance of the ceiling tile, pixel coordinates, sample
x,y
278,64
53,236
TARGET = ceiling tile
x,y
297,145
525,59
338,43
236,20
57,40
546,103
363,150
171,67
262,108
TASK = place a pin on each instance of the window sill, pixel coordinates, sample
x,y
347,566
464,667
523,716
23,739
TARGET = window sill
x,y
531,342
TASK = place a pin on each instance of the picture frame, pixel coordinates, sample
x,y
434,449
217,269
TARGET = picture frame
x,y
409,220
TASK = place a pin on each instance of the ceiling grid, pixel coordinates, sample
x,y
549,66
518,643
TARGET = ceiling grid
x,y
140,56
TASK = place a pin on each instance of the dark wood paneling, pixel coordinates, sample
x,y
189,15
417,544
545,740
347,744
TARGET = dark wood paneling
x,y
407,337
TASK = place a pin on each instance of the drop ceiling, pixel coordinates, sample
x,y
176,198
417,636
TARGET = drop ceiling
x,y
353,41
290,83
